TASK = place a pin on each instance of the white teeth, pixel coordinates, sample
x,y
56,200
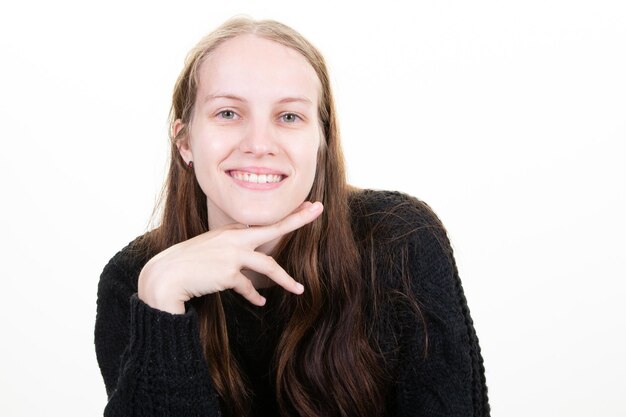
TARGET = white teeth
x,y
259,179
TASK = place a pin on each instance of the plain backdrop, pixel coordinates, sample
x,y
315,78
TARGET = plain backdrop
x,y
508,118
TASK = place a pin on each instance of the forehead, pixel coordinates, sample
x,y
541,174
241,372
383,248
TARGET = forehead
x,y
257,68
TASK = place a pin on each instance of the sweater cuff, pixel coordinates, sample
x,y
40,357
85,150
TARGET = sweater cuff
x,y
165,341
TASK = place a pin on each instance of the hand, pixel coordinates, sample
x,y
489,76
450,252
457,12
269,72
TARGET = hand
x,y
213,262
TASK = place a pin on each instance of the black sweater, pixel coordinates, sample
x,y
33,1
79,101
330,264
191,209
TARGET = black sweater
x,y
153,365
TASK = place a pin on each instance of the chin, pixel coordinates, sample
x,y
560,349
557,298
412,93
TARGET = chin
x,y
261,217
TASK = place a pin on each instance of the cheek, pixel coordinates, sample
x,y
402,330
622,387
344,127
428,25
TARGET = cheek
x,y
210,148
307,160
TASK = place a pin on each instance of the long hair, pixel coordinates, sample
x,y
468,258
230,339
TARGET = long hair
x,y
315,374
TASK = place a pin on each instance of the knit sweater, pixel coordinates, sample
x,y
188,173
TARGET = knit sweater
x,y
153,365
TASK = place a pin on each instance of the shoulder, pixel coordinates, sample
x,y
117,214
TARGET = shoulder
x,y
392,206
392,216
403,239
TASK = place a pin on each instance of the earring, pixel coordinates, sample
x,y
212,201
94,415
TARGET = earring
x,y
190,164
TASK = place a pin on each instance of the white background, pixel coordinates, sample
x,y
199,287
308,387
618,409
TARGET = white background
x,y
508,118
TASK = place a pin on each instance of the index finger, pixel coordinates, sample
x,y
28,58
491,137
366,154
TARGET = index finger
x,y
263,234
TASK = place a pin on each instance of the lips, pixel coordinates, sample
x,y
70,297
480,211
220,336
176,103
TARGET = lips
x,y
257,176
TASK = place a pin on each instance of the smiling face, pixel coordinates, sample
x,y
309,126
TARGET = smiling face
x,y
255,133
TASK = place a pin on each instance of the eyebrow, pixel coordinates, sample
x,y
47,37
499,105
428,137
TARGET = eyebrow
x,y
241,99
292,99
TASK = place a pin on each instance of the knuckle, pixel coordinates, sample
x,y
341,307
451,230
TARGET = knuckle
x,y
249,286
278,226
248,289
271,266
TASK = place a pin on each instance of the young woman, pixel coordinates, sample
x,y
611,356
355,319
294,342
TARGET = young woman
x,y
271,287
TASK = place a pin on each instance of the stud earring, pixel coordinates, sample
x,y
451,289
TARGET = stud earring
x,y
190,164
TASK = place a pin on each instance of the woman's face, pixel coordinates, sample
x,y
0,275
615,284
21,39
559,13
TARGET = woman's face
x,y
255,133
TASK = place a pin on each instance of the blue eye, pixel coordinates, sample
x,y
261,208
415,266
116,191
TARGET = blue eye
x,y
227,114
289,117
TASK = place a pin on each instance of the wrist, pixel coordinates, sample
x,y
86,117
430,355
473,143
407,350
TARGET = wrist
x,y
157,291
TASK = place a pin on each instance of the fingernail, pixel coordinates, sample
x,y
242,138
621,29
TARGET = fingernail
x,y
315,206
262,300
300,288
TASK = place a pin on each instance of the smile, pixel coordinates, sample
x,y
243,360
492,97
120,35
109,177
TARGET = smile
x,y
256,178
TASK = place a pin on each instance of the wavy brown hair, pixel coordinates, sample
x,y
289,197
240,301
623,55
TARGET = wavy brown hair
x,y
316,374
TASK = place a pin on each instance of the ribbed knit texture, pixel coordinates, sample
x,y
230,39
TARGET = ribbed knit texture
x,y
152,363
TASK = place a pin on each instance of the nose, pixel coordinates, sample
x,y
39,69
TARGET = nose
x,y
259,139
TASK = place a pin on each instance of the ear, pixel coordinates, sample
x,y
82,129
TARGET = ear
x,y
183,145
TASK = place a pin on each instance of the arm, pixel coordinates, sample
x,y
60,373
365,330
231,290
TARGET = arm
x,y
147,342
449,380
151,361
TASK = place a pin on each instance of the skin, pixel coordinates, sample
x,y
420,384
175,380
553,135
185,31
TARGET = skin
x,y
255,112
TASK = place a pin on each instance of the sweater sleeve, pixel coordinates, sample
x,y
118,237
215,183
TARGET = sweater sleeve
x,y
151,361
440,370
